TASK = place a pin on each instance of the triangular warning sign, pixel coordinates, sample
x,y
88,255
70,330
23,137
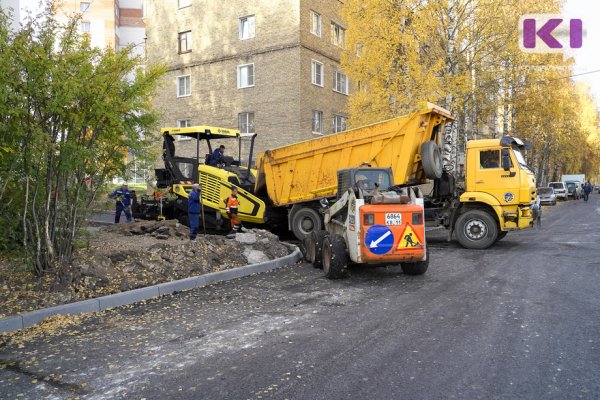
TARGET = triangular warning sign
x,y
409,239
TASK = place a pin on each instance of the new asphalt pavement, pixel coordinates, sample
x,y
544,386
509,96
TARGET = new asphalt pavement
x,y
518,321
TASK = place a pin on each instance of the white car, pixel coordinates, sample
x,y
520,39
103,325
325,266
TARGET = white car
x,y
560,190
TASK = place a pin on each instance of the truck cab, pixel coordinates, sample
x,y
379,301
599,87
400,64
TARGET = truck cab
x,y
500,192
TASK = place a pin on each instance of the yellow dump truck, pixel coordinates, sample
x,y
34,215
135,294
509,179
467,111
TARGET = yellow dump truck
x,y
499,194
285,189
298,175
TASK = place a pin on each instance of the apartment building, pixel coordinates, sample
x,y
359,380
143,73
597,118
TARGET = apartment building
x,y
113,24
110,23
18,10
266,66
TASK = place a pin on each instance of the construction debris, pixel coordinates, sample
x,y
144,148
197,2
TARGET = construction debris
x,y
130,256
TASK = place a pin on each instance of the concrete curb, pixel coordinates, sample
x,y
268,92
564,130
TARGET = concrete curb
x,y
28,319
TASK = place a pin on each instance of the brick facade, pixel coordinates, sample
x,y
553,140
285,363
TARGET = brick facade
x,y
282,98
131,17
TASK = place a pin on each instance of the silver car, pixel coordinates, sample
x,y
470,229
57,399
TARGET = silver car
x,y
547,195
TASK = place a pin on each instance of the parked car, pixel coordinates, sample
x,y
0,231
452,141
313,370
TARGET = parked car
x,y
560,190
597,188
574,190
547,195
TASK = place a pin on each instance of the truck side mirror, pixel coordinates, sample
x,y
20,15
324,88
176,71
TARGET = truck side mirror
x,y
506,163
505,160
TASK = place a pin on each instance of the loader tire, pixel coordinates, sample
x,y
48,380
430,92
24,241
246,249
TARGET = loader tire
x,y
313,247
416,268
476,229
431,159
305,220
335,257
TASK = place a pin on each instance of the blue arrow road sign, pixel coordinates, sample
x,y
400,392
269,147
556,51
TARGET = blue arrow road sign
x,y
379,239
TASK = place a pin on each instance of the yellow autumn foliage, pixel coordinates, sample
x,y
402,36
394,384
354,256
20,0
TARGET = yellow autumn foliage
x,y
465,56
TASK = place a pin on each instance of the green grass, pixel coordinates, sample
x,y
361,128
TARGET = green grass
x,y
138,187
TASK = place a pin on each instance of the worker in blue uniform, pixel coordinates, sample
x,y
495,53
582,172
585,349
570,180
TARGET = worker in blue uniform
x,y
122,198
194,210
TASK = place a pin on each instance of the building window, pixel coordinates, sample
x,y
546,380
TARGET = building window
x,y
339,123
84,6
137,171
359,49
86,26
185,3
247,27
185,42
246,122
340,84
338,35
317,73
184,86
362,87
315,23
245,76
317,122
183,123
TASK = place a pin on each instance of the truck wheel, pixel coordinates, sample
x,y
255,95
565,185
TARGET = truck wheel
x,y
304,221
501,235
416,268
335,256
431,159
313,247
476,229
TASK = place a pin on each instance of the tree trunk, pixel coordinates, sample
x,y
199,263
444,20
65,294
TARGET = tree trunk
x,y
450,131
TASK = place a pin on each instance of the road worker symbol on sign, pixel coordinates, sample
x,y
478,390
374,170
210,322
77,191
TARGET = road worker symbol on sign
x,y
409,239
379,239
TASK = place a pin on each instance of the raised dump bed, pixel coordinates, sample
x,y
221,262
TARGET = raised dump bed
x,y
307,170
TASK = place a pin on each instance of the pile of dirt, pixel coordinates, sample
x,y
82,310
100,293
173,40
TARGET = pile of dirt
x,y
129,256
162,230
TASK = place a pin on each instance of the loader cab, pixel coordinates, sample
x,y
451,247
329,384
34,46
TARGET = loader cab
x,y
364,180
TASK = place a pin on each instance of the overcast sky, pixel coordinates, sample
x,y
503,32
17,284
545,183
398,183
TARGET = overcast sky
x,y
588,57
